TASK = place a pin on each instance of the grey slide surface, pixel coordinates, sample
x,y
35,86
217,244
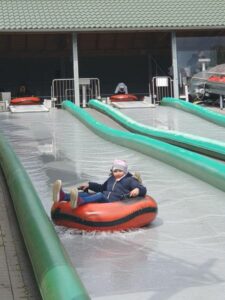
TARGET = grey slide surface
x,y
180,256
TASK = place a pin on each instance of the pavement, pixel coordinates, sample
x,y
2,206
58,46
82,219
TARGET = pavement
x,y
17,280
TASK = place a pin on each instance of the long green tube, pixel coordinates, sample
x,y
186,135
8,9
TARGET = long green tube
x,y
204,168
55,275
198,144
197,110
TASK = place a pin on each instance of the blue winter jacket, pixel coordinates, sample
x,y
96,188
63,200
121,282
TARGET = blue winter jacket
x,y
117,190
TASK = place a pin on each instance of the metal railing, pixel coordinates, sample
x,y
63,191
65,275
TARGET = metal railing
x,y
162,86
63,89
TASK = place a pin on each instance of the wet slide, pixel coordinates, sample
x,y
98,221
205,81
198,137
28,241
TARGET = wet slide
x,y
178,256
174,118
191,142
197,110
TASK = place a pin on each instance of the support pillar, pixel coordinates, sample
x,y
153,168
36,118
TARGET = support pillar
x,y
175,66
76,70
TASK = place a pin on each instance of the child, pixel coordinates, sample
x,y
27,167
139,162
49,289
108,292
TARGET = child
x,y
121,88
120,185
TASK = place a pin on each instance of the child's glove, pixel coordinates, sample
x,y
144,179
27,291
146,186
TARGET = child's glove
x,y
83,187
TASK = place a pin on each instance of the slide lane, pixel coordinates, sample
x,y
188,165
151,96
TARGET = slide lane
x,y
191,142
170,118
136,265
55,276
197,110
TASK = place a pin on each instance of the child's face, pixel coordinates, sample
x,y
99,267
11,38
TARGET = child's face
x,y
118,173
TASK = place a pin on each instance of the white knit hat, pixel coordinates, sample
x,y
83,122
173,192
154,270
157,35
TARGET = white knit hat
x,y
119,164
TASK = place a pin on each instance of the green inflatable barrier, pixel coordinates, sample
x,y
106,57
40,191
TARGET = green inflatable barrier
x,y
204,168
55,275
198,144
197,110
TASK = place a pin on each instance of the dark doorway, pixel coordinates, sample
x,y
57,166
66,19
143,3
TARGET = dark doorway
x,y
132,70
37,59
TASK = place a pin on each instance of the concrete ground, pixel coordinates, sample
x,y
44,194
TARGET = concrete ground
x,y
16,275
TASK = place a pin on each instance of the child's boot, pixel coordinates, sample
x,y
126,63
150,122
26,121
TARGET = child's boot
x,y
58,194
74,197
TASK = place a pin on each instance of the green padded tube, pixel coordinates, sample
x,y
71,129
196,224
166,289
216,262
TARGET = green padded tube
x,y
197,110
202,167
198,144
55,275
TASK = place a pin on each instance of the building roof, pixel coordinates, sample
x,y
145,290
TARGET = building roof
x,y
101,15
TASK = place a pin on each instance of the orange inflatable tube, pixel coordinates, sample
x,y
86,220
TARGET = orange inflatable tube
x,y
216,78
123,97
114,216
25,101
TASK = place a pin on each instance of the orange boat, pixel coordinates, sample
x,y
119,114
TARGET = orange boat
x,y
123,97
25,101
115,216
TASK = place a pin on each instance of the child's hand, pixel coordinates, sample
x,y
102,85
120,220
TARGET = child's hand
x,y
134,192
83,187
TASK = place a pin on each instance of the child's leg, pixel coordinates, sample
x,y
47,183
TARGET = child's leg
x,y
89,198
65,197
76,197
58,193
83,194
80,198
